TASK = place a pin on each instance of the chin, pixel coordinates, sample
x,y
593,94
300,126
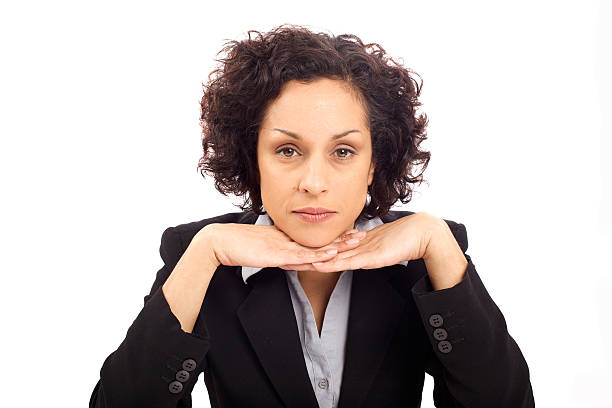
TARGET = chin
x,y
307,239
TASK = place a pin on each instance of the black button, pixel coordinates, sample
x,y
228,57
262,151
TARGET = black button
x,y
440,334
436,320
189,364
175,387
182,376
445,346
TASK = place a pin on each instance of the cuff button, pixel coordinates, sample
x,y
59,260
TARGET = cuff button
x,y
175,387
444,346
189,364
436,320
182,376
440,334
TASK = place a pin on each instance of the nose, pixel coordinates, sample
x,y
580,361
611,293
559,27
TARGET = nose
x,y
313,179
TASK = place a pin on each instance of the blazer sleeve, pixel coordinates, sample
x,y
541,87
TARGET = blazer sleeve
x,y
475,362
158,363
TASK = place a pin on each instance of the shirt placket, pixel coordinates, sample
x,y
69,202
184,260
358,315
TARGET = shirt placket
x,y
322,372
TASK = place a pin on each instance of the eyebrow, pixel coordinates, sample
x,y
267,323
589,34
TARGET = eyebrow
x,y
334,137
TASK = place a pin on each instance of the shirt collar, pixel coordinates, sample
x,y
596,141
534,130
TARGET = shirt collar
x,y
363,225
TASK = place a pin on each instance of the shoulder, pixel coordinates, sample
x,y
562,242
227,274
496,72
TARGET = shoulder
x,y
457,228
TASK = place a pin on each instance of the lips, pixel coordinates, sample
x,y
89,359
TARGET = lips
x,y
314,210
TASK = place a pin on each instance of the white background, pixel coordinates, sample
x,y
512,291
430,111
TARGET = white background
x,y
100,141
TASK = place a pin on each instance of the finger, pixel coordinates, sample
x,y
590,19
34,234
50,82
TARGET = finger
x,y
304,256
323,256
300,267
307,266
300,255
353,233
345,235
342,243
349,243
361,260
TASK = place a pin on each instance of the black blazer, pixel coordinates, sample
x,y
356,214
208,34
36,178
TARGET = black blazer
x,y
246,342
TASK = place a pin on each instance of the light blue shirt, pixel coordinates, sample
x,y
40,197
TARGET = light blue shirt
x,y
324,355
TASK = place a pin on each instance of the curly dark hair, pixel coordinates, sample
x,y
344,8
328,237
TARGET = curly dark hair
x,y
252,75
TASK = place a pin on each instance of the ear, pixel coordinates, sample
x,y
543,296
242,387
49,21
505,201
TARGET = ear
x,y
371,173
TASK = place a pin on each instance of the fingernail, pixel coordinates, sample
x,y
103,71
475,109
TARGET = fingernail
x,y
331,251
352,241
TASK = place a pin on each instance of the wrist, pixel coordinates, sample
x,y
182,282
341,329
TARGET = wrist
x,y
433,231
444,259
439,238
205,245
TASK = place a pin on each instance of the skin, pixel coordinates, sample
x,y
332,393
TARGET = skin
x,y
317,170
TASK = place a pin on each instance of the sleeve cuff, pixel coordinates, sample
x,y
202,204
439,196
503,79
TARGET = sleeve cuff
x,y
423,286
461,320
157,360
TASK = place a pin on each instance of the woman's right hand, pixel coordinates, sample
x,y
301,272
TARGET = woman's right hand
x,y
261,246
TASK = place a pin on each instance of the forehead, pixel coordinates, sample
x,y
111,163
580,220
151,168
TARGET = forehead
x,y
322,104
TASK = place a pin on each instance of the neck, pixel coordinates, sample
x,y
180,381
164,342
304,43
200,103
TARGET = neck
x,y
318,277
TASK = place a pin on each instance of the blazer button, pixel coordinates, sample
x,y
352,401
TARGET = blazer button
x,y
189,364
175,387
445,346
440,334
182,376
436,320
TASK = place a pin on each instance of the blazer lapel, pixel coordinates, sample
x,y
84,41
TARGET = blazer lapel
x,y
269,321
374,314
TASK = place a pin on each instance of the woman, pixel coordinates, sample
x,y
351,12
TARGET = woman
x,y
317,294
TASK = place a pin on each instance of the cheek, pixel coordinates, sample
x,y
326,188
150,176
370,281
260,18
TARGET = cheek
x,y
268,176
352,192
354,179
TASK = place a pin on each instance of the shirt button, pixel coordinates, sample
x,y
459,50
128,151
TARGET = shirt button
x,y
323,383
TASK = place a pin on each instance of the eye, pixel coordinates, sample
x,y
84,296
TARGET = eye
x,y
346,150
285,149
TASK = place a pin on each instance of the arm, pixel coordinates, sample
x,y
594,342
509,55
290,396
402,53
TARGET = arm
x,y
475,362
158,362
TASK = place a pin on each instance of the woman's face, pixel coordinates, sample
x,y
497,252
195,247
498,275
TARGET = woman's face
x,y
303,164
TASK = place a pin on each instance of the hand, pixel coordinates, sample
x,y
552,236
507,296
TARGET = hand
x,y
404,239
348,240
266,245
